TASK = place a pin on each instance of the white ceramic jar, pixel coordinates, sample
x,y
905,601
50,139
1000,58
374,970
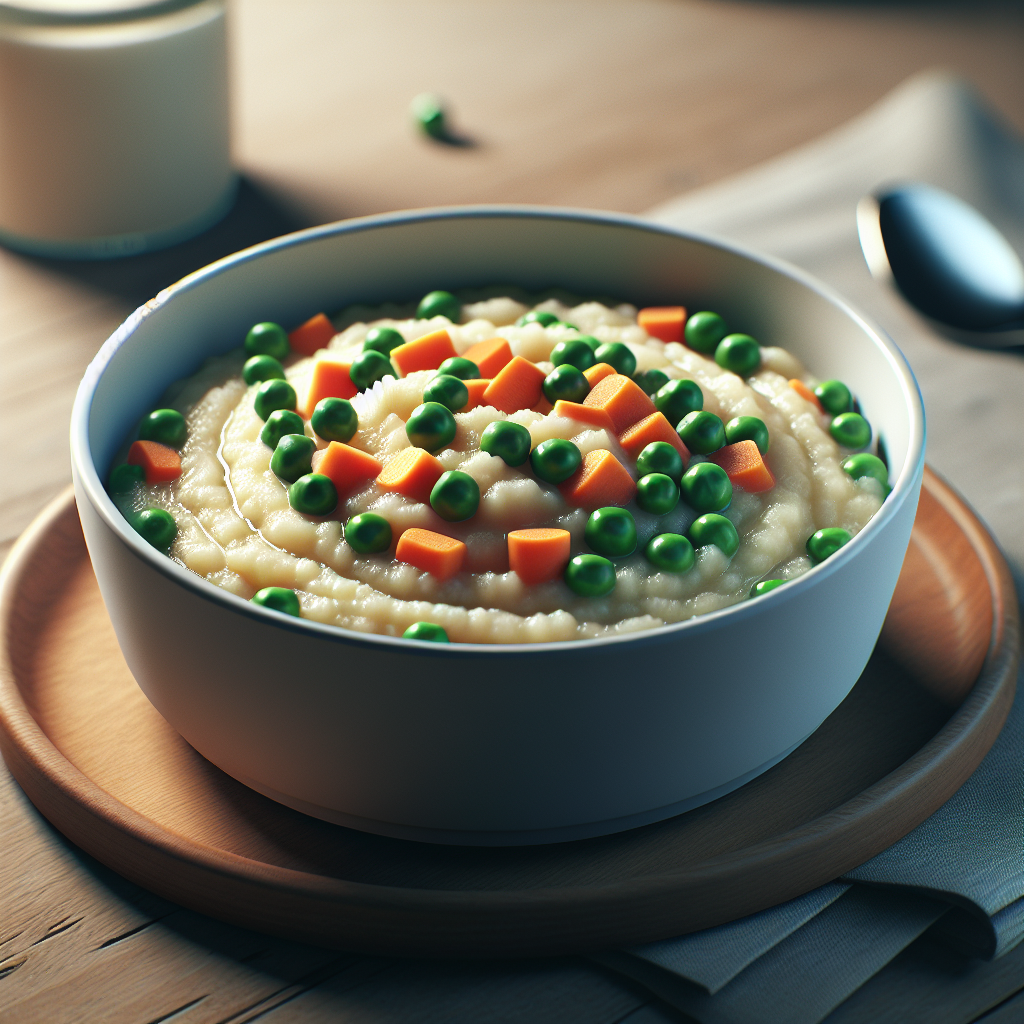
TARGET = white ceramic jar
x,y
114,124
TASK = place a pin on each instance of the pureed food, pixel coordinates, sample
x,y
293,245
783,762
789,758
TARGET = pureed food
x,y
499,471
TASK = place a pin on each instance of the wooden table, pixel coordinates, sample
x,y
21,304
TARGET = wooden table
x,y
615,104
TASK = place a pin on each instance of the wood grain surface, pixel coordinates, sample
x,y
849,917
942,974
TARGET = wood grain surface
x,y
618,104
104,767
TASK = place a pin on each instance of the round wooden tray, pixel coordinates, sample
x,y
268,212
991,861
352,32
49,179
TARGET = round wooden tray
x,y
102,765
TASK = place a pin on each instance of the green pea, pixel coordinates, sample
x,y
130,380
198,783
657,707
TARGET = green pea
x,y
555,460
591,342
762,588
657,493
704,331
369,367
456,366
166,426
124,478
618,356
426,631
573,353
293,457
383,340
611,532
565,382
717,530
537,316
431,426
706,487
448,391
428,112
670,552
508,441
274,394
651,381
368,533
261,368
660,457
334,419
678,398
156,526
267,339
279,423
455,497
701,432
851,430
313,495
827,542
747,428
739,353
834,396
281,599
590,575
866,464
439,304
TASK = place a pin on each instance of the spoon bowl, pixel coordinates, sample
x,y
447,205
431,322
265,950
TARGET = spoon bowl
x,y
950,263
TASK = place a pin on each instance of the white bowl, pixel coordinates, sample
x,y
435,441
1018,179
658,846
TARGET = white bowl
x,y
489,744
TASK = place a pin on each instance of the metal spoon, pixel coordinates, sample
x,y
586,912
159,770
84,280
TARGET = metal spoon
x,y
947,260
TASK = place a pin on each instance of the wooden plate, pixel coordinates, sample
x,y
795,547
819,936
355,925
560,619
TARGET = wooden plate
x,y
102,765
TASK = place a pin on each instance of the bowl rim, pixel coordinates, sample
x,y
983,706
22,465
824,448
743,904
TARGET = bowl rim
x,y
87,476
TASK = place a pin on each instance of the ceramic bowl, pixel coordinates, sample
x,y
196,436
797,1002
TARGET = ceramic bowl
x,y
488,744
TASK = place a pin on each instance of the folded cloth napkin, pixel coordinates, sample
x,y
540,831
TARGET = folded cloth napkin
x,y
964,866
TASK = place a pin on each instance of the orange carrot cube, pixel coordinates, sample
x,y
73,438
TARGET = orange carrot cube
x,y
591,415
314,334
806,393
476,389
623,399
489,356
348,467
537,556
601,480
426,353
744,466
651,428
431,552
598,372
516,386
159,462
664,322
330,380
412,472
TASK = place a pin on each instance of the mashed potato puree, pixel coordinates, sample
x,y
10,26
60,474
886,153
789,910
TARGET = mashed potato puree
x,y
237,529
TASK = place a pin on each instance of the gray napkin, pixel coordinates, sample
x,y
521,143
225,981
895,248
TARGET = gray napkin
x,y
798,961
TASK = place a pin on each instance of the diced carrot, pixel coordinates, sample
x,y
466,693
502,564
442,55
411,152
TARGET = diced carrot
x,y
516,386
601,480
744,466
426,353
588,414
543,407
490,356
348,467
651,428
441,556
314,334
623,399
476,389
412,472
537,556
805,392
664,322
330,380
159,462
598,372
